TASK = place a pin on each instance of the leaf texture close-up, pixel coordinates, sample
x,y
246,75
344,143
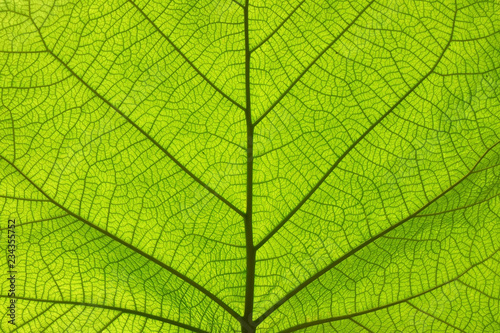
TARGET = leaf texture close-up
x,y
250,166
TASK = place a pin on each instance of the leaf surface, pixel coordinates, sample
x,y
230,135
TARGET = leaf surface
x,y
225,166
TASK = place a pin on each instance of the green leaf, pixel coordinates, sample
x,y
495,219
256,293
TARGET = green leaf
x,y
225,166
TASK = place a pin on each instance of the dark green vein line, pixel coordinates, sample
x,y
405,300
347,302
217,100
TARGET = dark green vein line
x,y
19,225
433,316
352,315
112,308
110,322
351,147
54,320
150,138
476,39
494,69
237,3
312,64
185,57
131,247
486,168
366,243
478,291
250,249
278,27
22,199
13,127
361,325
22,52
461,207
33,318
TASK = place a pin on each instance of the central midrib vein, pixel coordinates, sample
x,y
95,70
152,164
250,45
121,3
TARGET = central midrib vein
x,y
250,249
